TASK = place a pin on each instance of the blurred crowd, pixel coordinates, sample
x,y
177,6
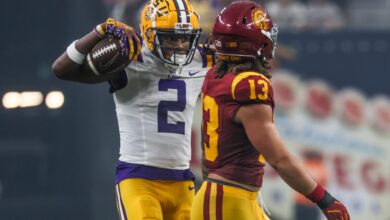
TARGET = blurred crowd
x,y
293,15
289,15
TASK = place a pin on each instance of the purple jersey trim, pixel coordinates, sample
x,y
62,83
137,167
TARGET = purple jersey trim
x,y
203,55
140,58
130,170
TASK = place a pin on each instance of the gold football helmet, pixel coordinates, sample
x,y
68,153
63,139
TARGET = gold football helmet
x,y
170,18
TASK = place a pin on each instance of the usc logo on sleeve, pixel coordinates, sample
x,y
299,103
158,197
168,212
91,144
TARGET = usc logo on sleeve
x,y
252,87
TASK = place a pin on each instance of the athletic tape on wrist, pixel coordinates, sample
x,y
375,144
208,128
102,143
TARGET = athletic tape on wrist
x,y
74,54
326,201
99,31
317,194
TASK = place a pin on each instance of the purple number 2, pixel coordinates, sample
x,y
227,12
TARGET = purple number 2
x,y
174,106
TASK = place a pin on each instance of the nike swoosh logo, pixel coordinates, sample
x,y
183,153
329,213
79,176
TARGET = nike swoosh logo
x,y
109,63
191,187
193,73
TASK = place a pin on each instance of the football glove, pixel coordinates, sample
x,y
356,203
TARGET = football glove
x,y
332,208
129,41
336,211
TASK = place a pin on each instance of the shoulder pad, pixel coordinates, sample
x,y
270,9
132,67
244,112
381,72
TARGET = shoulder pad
x,y
252,87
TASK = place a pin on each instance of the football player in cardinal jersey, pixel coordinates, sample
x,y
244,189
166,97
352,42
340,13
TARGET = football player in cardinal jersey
x,y
238,123
155,99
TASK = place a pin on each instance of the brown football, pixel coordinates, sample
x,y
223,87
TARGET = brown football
x,y
106,57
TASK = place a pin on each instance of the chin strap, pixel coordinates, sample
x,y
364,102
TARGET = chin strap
x,y
174,71
179,69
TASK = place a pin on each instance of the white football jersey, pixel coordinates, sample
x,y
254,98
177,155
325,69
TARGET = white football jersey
x,y
155,112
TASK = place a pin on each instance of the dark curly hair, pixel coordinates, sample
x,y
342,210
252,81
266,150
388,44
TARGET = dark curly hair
x,y
256,65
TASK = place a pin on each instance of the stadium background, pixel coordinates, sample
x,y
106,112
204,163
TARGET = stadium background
x,y
59,163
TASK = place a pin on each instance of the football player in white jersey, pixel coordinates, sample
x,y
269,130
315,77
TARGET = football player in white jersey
x,y
155,99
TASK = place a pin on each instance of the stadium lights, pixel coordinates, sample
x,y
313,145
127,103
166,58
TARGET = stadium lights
x,y
25,99
30,99
55,100
11,100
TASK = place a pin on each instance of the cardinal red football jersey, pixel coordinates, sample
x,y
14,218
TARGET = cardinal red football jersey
x,y
227,149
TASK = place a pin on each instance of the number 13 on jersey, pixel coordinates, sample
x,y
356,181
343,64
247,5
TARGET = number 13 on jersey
x,y
251,90
211,146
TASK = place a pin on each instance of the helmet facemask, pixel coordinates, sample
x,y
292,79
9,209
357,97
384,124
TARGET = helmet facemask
x,y
273,36
176,46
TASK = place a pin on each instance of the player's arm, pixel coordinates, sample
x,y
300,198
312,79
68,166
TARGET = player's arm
x,y
258,124
257,120
72,65
67,69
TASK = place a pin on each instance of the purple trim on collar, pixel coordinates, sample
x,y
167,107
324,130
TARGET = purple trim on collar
x,y
130,170
140,58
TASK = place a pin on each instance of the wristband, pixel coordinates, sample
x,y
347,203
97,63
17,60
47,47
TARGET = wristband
x,y
326,201
74,54
321,197
317,194
98,30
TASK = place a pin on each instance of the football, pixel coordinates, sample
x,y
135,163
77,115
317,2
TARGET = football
x,y
106,57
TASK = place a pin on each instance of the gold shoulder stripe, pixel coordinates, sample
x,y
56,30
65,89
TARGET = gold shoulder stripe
x,y
209,60
132,54
262,159
242,76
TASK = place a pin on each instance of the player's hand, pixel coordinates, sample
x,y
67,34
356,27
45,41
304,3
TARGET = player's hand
x,y
336,211
332,208
126,34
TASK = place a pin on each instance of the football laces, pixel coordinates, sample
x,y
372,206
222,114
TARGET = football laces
x,y
104,50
